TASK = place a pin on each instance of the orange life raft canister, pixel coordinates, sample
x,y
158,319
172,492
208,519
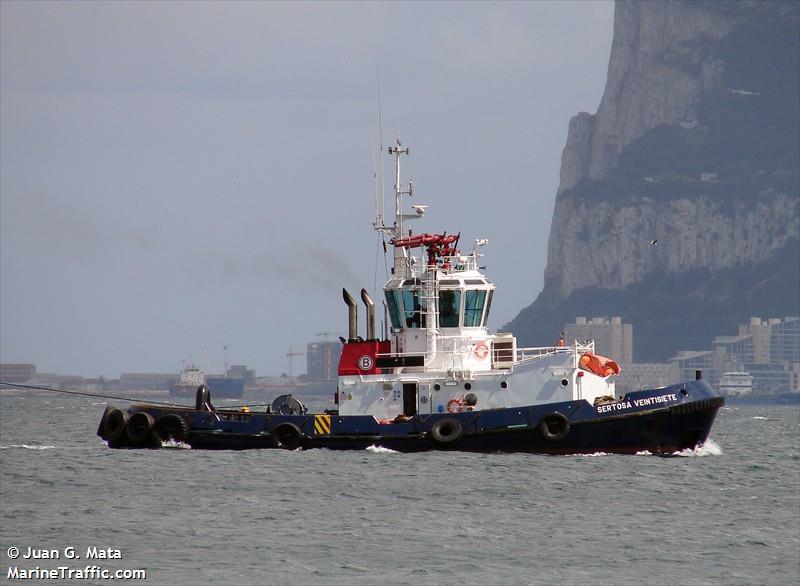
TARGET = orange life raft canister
x,y
599,365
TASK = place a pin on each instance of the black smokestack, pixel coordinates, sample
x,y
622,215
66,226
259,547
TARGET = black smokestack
x,y
352,314
370,314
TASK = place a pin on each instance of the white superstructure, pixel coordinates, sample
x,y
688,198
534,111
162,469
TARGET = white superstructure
x,y
735,384
190,378
440,355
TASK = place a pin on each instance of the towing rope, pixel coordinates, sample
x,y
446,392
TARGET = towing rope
x,y
52,390
131,399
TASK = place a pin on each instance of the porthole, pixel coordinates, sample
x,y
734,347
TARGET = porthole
x,y
467,386
504,385
437,386
564,382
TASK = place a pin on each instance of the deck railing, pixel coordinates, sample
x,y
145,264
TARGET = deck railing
x,y
522,355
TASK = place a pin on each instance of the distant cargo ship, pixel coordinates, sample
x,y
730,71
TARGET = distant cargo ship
x,y
187,383
191,378
225,387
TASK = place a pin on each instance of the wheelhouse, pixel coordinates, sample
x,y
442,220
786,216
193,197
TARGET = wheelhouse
x,y
456,303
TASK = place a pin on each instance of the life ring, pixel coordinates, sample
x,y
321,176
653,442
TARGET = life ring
x,y
455,406
481,351
139,426
171,427
554,426
447,431
114,425
287,436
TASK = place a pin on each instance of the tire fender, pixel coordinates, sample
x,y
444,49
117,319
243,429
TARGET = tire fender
x,y
554,426
139,426
287,436
447,431
114,424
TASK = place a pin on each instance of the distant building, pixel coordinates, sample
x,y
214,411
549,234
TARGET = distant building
x,y
646,375
17,373
734,351
776,354
760,330
688,362
794,377
612,338
784,341
322,360
767,349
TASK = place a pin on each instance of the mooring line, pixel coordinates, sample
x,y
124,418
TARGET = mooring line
x,y
132,399
135,400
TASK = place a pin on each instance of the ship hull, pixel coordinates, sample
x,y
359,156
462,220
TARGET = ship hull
x,y
660,421
221,388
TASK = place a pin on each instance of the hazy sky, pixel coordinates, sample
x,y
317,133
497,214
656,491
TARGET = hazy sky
x,y
177,177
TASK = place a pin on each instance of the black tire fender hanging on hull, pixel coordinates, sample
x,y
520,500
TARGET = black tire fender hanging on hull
x,y
139,426
554,426
114,424
447,431
287,436
171,427
101,431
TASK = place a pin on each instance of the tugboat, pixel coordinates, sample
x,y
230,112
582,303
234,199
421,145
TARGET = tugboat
x,y
438,379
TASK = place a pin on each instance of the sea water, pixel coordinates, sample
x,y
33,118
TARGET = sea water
x,y
726,513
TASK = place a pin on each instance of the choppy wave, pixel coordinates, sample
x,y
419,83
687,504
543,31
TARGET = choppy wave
x,y
710,448
27,447
478,509
174,444
380,450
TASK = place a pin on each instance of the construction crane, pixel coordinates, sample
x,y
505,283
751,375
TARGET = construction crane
x,y
326,334
290,355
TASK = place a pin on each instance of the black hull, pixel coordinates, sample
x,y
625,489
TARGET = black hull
x,y
574,427
658,433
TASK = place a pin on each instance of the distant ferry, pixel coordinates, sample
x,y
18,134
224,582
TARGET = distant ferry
x,y
736,384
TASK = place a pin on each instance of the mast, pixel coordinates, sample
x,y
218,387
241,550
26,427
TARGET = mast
x,y
395,231
398,211
429,294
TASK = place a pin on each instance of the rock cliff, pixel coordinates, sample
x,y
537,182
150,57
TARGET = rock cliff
x,y
688,171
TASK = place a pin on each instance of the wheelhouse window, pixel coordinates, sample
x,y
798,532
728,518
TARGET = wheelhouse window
x,y
473,308
449,308
413,310
488,307
394,310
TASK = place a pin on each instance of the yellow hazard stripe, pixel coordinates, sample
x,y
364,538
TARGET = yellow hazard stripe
x,y
322,424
